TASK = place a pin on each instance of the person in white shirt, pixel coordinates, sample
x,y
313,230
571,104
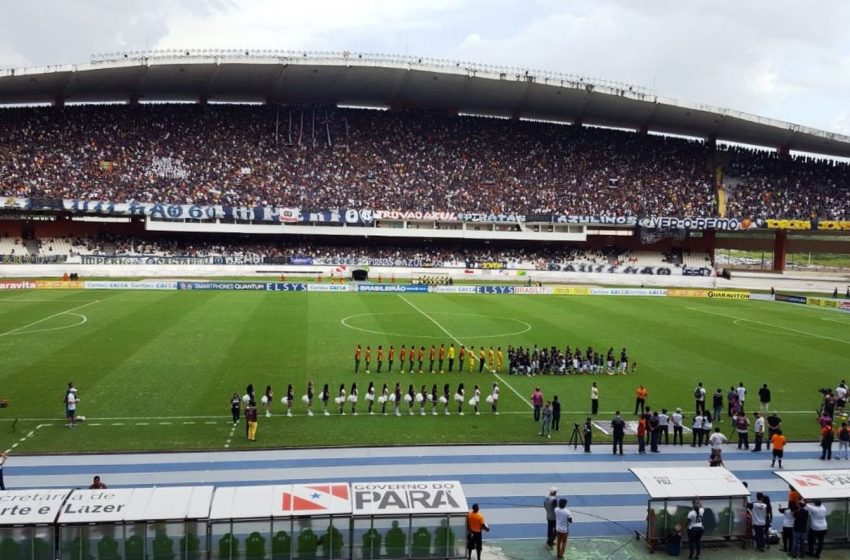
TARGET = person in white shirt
x,y
563,518
758,431
677,419
594,399
696,428
664,426
717,439
758,512
742,394
695,529
71,401
840,396
787,527
817,527
699,398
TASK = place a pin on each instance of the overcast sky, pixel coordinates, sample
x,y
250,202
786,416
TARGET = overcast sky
x,y
777,58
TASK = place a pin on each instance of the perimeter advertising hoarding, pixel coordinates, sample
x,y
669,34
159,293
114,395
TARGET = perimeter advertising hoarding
x,y
124,285
791,298
19,507
821,302
807,225
58,285
21,285
727,294
243,286
656,292
407,498
679,292
392,288
570,290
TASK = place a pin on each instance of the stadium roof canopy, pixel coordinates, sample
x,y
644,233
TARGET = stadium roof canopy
x,y
398,81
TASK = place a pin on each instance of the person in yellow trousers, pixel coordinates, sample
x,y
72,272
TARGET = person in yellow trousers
x,y
499,358
491,360
451,353
470,361
251,418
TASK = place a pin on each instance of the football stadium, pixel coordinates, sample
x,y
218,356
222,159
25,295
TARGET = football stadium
x,y
314,305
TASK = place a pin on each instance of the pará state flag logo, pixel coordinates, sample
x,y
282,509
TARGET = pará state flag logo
x,y
317,498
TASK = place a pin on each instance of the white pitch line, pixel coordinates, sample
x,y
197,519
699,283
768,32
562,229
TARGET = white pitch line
x,y
798,331
453,337
48,318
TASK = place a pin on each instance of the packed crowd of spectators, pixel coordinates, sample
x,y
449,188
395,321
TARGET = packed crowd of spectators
x,y
472,255
328,158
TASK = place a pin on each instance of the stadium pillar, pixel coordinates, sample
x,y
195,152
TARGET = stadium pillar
x,y
780,246
133,100
709,238
784,150
203,100
59,101
644,129
577,121
711,141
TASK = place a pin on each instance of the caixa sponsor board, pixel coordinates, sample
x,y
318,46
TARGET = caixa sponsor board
x,y
243,286
452,289
331,288
655,292
123,285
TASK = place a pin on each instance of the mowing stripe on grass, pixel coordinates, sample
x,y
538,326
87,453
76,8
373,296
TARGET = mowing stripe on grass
x,y
798,331
453,337
48,318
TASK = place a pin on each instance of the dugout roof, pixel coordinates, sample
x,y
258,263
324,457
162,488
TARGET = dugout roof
x,y
691,482
819,485
397,81
137,504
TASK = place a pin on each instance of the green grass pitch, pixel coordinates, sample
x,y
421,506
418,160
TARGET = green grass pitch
x,y
155,370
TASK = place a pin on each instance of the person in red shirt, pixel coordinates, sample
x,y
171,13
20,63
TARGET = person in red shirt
x,y
421,357
390,358
442,356
402,354
432,356
412,356
460,357
380,358
641,435
368,358
357,352
97,484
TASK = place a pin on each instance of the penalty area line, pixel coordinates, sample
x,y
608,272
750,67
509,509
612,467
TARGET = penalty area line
x,y
13,331
456,339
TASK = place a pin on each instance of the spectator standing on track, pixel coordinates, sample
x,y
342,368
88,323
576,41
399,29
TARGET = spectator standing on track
x,y
640,399
2,460
758,511
699,399
742,395
731,399
587,430
563,518
537,403
641,435
787,527
843,442
618,429
817,527
654,432
742,427
695,529
550,502
475,524
758,431
678,426
235,407
251,419
764,398
717,405
827,436
664,426
556,414
778,442
594,399
774,424
546,420
71,401
696,428
801,528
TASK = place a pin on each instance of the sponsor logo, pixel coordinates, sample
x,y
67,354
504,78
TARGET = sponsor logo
x,y
570,291
820,302
655,292
330,288
417,216
788,224
392,288
725,294
58,285
676,292
728,224
477,217
24,285
120,285
452,289
845,305
407,497
494,289
790,298
597,220
316,498
533,290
